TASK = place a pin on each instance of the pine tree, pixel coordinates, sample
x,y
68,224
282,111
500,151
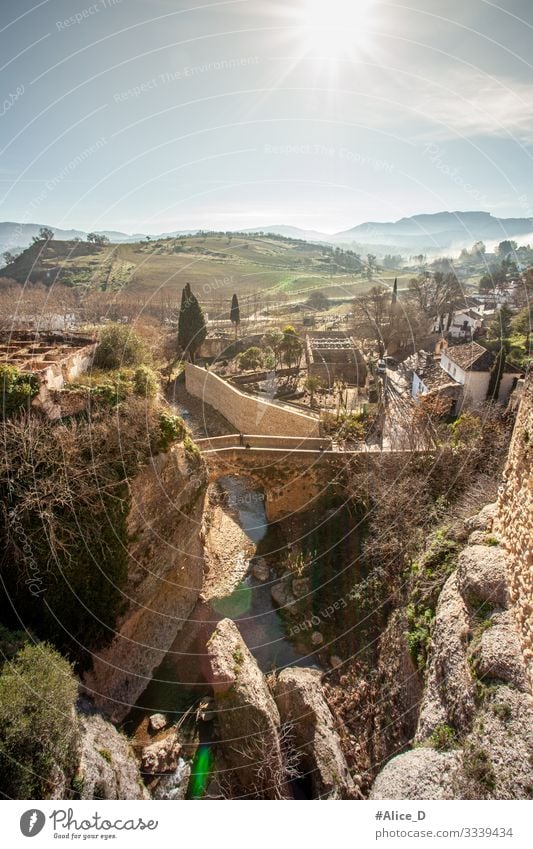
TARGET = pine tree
x,y
191,324
235,313
395,291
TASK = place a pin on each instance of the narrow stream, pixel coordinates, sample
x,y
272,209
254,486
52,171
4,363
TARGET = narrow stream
x,y
181,680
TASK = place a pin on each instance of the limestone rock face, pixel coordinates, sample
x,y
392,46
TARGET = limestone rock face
x,y
248,719
165,574
482,574
302,706
500,653
449,691
496,757
514,525
162,755
107,767
419,774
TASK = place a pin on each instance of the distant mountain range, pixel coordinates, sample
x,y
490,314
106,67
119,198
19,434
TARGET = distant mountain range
x,y
432,233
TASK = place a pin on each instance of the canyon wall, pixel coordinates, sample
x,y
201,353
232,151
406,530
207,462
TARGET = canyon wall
x,y
165,574
514,523
474,734
247,413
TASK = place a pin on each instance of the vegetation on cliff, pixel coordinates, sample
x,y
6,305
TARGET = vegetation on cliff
x,y
66,498
38,723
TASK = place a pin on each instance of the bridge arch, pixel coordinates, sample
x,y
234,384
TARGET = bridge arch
x,y
292,478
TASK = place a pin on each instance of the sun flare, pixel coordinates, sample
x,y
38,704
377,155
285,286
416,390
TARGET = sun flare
x,y
335,28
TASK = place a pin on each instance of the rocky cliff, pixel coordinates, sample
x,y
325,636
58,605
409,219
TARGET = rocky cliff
x,y
514,524
474,734
165,574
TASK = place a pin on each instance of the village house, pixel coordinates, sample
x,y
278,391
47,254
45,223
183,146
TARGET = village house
x,y
459,372
465,323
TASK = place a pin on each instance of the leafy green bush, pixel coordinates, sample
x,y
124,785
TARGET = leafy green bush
x,y
172,429
252,358
38,725
443,738
420,624
145,382
17,390
119,346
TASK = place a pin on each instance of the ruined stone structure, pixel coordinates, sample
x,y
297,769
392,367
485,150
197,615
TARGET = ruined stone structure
x,y
54,358
335,356
247,413
514,522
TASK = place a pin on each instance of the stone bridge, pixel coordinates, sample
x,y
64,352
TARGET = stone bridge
x,y
292,471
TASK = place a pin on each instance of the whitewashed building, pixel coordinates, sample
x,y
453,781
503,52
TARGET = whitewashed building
x,y
462,373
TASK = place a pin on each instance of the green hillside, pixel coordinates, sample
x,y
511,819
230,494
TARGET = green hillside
x,y
247,263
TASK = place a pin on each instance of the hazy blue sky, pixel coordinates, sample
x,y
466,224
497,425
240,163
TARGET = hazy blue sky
x,y
154,115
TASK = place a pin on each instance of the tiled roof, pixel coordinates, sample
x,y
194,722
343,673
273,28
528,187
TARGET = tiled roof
x,y
470,357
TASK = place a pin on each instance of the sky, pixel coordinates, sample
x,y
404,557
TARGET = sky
x,y
159,115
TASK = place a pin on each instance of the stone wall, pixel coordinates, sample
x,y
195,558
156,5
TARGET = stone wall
x,y
514,523
248,413
54,375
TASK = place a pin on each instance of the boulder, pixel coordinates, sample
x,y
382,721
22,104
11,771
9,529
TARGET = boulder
x,y
162,755
304,710
247,716
500,654
260,569
482,571
477,538
282,594
301,586
157,722
107,767
484,520
419,774
317,638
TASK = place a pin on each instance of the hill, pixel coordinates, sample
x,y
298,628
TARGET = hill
x,y
213,263
15,236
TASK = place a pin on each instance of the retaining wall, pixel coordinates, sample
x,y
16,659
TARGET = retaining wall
x,y
247,413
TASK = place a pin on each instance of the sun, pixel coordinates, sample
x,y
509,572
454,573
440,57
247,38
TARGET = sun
x,y
334,28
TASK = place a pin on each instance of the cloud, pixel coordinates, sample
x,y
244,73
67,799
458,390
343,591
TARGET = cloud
x,y
470,104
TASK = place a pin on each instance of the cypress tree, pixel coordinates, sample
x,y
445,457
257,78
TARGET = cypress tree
x,y
191,324
235,313
496,374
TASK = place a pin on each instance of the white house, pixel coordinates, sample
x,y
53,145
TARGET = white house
x,y
462,374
